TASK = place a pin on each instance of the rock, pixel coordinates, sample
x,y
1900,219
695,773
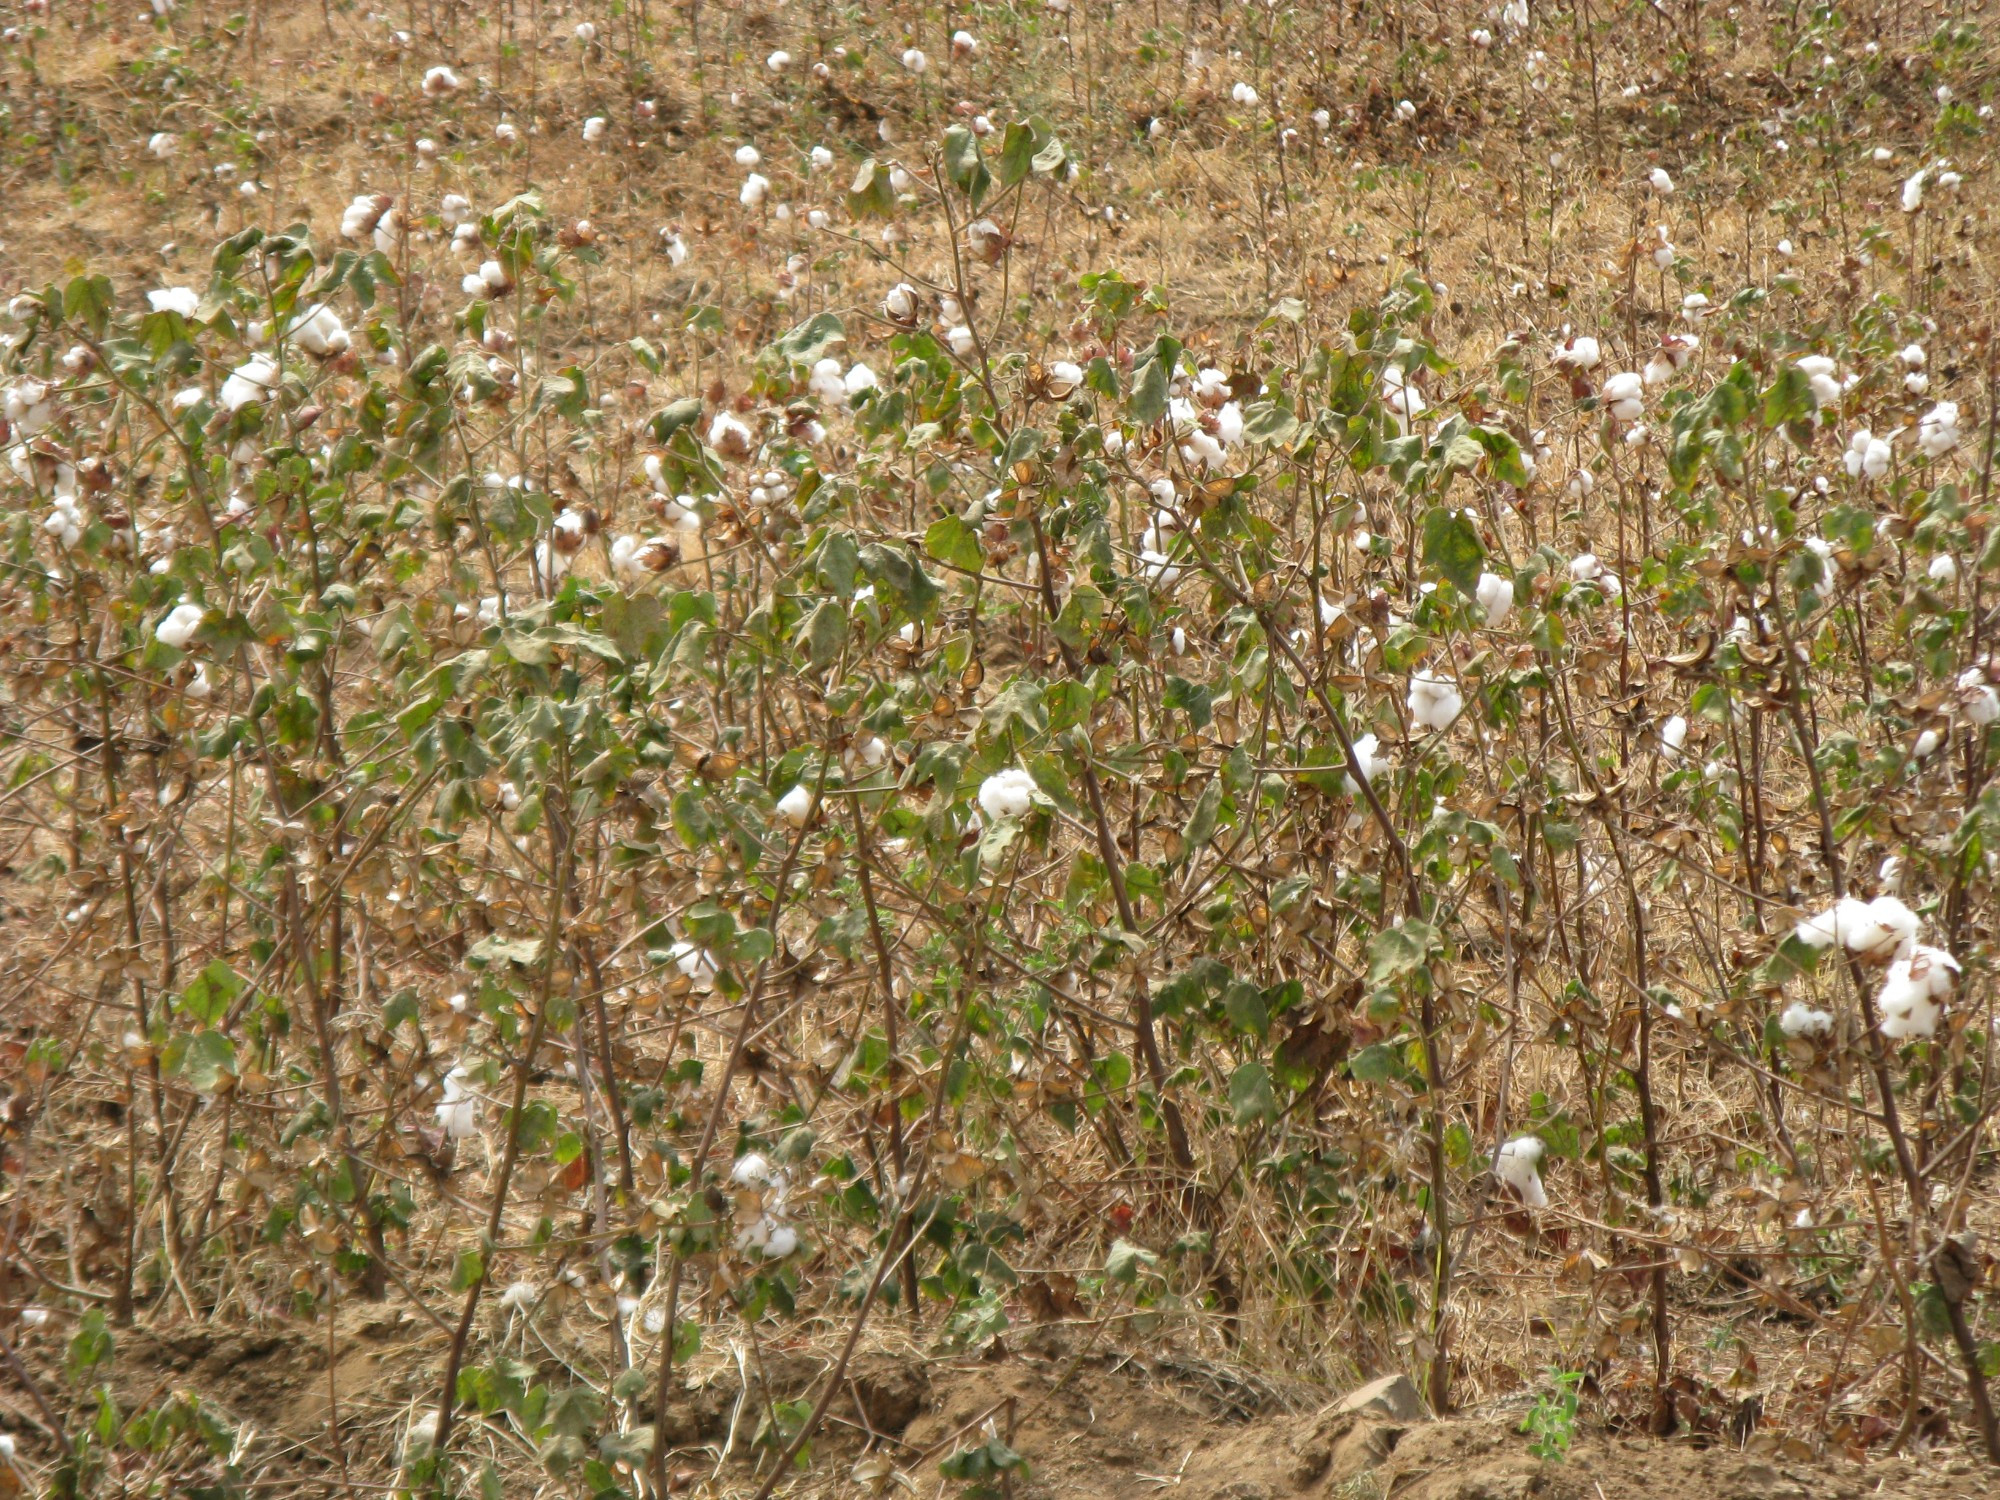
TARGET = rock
x,y
1393,1397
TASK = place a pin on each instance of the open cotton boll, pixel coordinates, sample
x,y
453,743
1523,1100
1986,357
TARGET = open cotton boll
x,y
1435,702
1926,745
778,61
1243,94
964,43
781,1241
859,380
1007,794
962,343
1819,373
252,381
1977,700
175,299
1937,430
914,60
1913,190
439,81
1661,182
697,964
1846,915
1801,1020
1909,1009
796,806
729,437
1518,1165
319,332
1885,928
179,625
1625,396
1673,735
594,128
827,383
1580,353
1943,568
458,1111
754,190
1404,400
1495,595
753,1169
519,1296
1866,455
161,146
1368,756
748,156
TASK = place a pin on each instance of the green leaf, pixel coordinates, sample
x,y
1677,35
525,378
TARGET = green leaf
x,y
963,166
1127,1260
1398,951
1452,546
1250,1097
209,997
824,633
204,1059
809,341
1201,822
1152,379
675,415
1790,398
496,949
954,542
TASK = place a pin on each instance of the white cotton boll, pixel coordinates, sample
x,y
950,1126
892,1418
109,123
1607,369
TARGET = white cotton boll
x,y
1585,568
729,437
594,128
781,1240
697,964
1673,735
1178,641
820,158
756,187
1912,357
161,146
1405,111
177,629
748,156
1435,702
1007,795
1943,568
914,60
493,276
1518,1165
1866,455
458,1112
1661,182
901,304
250,382
1404,400
859,380
796,806
1368,756
319,332
519,1296
1926,745
1495,597
1978,701
505,133
1481,38
826,382
778,61
1625,396
1914,991
586,32
960,338
1659,370
1819,373
1937,430
1880,930
454,209
1801,1020
439,81
1580,353
753,1169
964,43
1243,94
1913,191
175,299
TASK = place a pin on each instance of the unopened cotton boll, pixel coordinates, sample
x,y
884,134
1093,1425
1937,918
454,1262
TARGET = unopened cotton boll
x,y
1625,396
1007,795
1435,702
1800,1020
1518,1164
